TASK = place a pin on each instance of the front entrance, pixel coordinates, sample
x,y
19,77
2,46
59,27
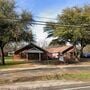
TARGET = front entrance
x,y
33,56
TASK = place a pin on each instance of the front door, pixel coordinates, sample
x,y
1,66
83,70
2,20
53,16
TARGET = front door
x,y
33,56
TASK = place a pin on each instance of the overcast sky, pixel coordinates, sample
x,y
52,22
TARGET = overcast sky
x,y
48,9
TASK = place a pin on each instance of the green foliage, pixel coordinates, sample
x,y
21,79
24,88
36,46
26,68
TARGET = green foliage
x,y
73,24
80,17
13,26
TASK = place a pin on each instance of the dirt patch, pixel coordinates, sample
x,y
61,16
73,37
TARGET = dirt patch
x,y
44,74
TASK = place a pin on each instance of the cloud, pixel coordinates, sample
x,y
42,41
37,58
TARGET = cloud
x,y
38,30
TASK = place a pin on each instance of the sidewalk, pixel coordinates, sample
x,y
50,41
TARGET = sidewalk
x,y
37,84
43,66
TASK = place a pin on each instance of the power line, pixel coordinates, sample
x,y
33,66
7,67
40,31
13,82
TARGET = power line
x,y
78,26
45,18
35,22
44,22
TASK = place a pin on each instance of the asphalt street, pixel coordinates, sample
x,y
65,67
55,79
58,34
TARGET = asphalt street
x,y
80,86
45,85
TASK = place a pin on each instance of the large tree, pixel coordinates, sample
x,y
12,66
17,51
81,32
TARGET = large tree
x,y
14,26
73,25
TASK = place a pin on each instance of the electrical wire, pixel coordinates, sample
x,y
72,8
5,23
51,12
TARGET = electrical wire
x,y
35,22
45,18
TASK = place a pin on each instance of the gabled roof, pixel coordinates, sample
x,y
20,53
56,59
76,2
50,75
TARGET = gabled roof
x,y
33,50
29,46
61,49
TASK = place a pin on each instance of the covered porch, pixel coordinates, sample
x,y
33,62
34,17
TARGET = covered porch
x,y
34,54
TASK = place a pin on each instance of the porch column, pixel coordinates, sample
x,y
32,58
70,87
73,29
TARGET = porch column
x,y
27,56
39,56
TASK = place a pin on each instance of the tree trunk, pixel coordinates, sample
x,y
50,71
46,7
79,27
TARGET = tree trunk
x,y
3,59
83,44
81,52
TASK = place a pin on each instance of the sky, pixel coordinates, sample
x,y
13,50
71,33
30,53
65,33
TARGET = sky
x,y
47,9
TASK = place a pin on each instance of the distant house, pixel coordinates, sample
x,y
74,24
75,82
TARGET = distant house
x,y
34,52
68,52
31,52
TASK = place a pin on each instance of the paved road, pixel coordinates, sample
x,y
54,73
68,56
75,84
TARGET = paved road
x,y
62,88
47,85
66,88
9,75
46,69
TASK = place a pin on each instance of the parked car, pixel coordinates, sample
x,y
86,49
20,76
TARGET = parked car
x,y
86,55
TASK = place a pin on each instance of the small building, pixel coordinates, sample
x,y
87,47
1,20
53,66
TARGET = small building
x,y
68,53
31,52
34,52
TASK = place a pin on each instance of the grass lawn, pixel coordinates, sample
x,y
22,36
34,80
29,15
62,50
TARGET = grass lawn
x,y
22,76
66,76
10,63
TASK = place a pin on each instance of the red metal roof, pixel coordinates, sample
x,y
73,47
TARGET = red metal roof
x,y
60,49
